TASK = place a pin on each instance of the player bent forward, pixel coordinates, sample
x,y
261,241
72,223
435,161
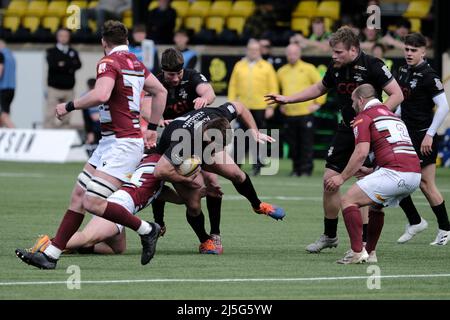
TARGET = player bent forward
x,y
198,123
398,174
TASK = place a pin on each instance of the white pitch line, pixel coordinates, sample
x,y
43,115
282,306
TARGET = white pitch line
x,y
22,175
398,276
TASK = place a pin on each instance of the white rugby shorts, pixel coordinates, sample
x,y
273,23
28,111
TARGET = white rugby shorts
x,y
118,157
388,187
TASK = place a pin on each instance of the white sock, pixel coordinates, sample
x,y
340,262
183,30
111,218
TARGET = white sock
x,y
53,252
145,228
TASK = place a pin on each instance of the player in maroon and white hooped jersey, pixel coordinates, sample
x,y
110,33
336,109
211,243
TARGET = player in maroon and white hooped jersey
x,y
397,175
120,80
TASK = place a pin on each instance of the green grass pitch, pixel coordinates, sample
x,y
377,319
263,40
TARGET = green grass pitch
x,y
263,258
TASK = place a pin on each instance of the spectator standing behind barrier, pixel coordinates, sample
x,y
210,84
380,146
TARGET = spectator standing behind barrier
x,y
92,127
105,10
251,79
7,84
62,61
181,40
318,38
137,47
296,76
161,22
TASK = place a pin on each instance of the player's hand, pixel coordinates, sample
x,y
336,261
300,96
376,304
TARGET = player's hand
x,y
273,99
261,137
268,113
61,110
150,137
362,172
200,103
332,184
162,123
163,230
426,146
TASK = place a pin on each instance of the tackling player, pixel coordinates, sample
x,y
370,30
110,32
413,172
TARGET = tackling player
x,y
397,173
350,68
423,89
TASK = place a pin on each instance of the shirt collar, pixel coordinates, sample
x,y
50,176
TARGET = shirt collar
x,y
371,103
62,47
122,47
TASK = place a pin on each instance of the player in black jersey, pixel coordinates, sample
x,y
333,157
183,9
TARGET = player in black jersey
x,y
187,90
423,89
202,123
350,68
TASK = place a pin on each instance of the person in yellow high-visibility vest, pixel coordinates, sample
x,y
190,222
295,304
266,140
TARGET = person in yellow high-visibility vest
x,y
252,78
295,76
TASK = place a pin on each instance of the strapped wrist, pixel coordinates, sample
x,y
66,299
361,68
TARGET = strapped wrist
x,y
152,126
70,106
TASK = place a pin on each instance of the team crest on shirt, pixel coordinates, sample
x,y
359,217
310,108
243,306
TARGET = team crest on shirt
x,y
413,83
439,85
183,94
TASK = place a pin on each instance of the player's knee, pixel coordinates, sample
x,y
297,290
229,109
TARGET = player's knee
x,y
238,176
119,249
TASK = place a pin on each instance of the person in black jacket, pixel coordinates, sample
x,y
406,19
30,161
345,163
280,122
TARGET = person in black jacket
x,y
161,22
62,61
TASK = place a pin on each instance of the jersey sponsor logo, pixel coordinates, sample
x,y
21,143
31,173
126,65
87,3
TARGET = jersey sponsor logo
x,y
387,72
346,87
231,108
358,77
355,131
203,78
101,68
438,83
380,198
360,68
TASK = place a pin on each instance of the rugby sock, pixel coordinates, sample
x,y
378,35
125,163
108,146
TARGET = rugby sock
x,y
330,227
364,236
376,222
441,214
158,211
214,205
116,213
198,225
247,190
410,210
70,223
353,223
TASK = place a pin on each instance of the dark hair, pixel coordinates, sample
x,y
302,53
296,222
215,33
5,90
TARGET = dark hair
x,y
172,60
223,125
114,33
403,23
415,40
346,36
182,31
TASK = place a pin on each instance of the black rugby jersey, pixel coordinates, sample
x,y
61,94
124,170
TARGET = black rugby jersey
x,y
191,122
345,79
420,84
180,98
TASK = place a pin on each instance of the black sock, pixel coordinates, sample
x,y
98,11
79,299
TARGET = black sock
x,y
330,227
442,217
364,236
158,211
410,210
198,225
247,190
214,204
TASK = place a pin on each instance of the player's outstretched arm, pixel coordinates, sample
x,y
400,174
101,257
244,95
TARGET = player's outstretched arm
x,y
249,122
312,92
395,94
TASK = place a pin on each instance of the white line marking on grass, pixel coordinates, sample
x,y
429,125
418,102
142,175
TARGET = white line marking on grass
x,y
22,175
398,276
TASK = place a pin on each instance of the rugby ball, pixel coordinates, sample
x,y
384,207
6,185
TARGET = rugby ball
x,y
189,166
